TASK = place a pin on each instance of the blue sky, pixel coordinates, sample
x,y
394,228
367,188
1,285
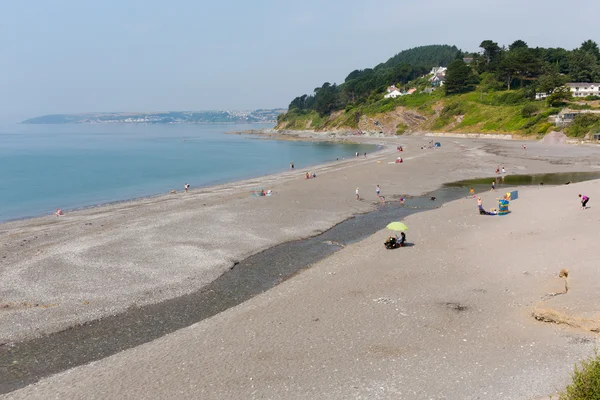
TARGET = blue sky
x,y
67,56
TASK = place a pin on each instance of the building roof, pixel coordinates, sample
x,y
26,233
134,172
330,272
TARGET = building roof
x,y
584,84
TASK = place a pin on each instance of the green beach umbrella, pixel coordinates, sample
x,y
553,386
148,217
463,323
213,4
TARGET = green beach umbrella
x,y
397,226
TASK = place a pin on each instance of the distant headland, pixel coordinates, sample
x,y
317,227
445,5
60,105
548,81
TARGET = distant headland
x,y
262,116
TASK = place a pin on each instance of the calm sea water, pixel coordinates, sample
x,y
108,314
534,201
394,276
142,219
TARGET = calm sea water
x,y
44,167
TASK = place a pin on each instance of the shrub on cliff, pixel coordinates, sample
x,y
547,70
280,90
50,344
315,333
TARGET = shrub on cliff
x,y
585,381
584,124
529,109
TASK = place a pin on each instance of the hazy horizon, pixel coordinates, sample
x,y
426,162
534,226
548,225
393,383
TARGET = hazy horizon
x,y
65,57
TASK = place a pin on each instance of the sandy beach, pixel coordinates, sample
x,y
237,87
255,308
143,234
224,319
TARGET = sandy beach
x,y
453,316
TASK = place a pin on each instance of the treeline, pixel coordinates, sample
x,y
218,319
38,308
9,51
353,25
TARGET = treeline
x,y
494,68
533,69
360,85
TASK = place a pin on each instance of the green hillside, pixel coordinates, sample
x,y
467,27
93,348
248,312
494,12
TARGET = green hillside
x,y
494,92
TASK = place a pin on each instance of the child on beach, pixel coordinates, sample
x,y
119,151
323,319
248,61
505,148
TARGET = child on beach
x,y
584,201
493,185
59,212
402,200
186,187
378,190
472,193
357,195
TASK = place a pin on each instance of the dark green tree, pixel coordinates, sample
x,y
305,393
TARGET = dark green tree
x,y
583,66
591,47
459,78
519,63
517,44
559,96
550,79
492,53
326,98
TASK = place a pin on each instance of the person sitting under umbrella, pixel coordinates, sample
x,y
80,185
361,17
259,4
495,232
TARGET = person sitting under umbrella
x,y
402,239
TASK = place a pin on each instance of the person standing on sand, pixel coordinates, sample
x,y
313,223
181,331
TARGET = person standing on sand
x,y
503,171
378,190
584,201
493,185
186,187
357,195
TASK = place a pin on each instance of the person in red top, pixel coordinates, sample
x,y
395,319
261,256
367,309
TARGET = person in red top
x,y
584,201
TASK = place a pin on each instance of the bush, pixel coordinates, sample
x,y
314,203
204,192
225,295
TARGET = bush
x,y
591,98
510,98
583,124
528,110
550,111
400,129
544,128
586,381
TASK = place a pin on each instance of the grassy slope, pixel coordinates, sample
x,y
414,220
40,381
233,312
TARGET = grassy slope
x,y
470,112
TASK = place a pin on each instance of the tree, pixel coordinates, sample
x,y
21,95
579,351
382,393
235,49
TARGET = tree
x,y
550,79
491,55
459,78
521,64
591,47
583,66
559,96
325,98
517,44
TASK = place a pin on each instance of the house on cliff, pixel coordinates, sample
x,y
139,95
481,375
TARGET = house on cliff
x,y
392,92
584,89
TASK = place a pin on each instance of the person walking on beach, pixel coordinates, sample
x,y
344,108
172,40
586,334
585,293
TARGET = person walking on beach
x,y
584,201
378,190
186,187
357,195
493,185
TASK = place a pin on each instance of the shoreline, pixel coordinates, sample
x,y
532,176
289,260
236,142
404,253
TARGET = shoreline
x,y
160,248
208,187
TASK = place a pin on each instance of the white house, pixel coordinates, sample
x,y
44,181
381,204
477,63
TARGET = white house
x,y
583,89
438,80
438,70
392,92
541,96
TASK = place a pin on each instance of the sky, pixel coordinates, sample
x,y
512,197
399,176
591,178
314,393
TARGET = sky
x,y
71,56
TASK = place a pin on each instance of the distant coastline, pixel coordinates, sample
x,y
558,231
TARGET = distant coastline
x,y
261,116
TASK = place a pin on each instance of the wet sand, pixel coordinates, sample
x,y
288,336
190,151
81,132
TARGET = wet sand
x,y
183,226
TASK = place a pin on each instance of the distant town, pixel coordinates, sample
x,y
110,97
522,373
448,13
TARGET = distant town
x,y
262,116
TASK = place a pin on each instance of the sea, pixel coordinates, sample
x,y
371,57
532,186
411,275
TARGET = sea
x,y
44,167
